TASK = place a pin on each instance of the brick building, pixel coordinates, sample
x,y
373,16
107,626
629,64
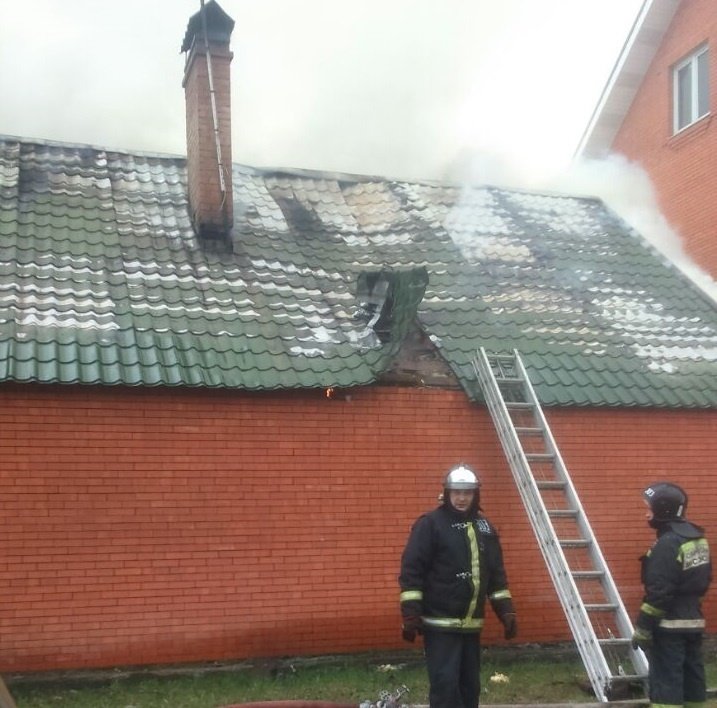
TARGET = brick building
x,y
217,425
657,111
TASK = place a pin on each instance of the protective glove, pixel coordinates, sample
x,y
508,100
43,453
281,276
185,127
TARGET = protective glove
x,y
641,638
510,625
411,627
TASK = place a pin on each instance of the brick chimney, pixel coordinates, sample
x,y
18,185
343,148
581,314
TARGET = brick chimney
x,y
208,102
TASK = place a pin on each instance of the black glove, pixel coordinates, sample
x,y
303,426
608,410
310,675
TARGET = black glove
x,y
510,625
411,627
641,638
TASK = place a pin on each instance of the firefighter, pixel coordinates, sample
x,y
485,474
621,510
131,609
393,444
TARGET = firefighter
x,y
451,563
676,573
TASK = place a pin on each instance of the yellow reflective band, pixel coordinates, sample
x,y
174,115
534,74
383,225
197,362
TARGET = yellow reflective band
x,y
695,704
501,595
408,595
475,570
650,610
666,705
454,622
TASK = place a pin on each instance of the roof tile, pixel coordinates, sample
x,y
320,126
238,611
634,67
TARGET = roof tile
x,y
102,280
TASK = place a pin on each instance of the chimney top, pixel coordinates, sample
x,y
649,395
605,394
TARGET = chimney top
x,y
219,26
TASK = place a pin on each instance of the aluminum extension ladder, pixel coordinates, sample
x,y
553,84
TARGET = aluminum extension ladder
x,y
595,612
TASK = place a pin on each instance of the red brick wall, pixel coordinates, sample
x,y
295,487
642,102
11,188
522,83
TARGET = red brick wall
x,y
680,166
158,525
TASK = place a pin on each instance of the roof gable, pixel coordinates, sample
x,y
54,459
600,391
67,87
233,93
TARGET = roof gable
x,y
102,280
627,75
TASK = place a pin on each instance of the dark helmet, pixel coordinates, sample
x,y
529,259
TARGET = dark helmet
x,y
666,500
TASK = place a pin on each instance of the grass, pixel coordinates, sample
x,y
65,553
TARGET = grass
x,y
531,678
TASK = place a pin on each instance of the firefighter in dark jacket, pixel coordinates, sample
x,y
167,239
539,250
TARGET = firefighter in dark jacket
x,y
451,563
676,573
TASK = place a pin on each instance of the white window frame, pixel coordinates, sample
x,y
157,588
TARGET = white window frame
x,y
691,63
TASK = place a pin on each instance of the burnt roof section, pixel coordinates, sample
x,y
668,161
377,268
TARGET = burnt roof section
x,y
102,280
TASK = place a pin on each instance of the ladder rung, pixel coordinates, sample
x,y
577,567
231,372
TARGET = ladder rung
x,y
588,574
563,512
517,405
529,431
545,484
508,380
615,642
575,543
540,456
628,677
606,607
501,357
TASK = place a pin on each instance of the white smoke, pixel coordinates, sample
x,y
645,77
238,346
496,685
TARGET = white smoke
x,y
627,189
623,186
379,88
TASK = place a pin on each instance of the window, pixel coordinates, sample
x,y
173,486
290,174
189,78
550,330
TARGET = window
x,y
690,87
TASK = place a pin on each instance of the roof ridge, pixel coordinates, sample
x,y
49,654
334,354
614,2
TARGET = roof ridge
x,y
308,173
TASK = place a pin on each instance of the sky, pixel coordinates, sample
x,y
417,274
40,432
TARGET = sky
x,y
398,88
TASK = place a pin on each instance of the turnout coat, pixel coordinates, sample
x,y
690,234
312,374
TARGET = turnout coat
x,y
676,573
451,564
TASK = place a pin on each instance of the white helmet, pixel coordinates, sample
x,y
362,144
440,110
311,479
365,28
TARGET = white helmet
x,y
461,478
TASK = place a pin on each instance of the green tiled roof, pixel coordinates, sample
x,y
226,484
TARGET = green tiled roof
x,y
102,280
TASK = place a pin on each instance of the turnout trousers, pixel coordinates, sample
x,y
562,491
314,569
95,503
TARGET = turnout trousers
x,y
453,665
677,672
